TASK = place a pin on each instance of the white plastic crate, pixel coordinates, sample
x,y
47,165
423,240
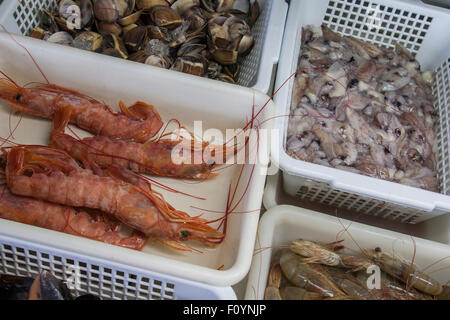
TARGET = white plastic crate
x,y
219,105
421,29
257,69
436,229
282,224
104,279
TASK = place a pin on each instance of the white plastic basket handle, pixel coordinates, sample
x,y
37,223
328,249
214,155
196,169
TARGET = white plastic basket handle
x,y
274,36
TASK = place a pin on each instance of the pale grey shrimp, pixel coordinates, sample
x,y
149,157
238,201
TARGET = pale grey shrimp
x,y
405,272
307,276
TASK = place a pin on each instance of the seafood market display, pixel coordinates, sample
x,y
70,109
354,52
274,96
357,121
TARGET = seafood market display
x,y
315,271
92,190
206,38
363,108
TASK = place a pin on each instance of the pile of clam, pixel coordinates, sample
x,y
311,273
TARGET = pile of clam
x,y
201,37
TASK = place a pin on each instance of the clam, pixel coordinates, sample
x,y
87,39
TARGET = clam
x,y
155,32
165,17
219,33
112,41
179,35
254,13
214,69
130,19
193,64
128,27
196,18
224,56
225,78
67,8
232,70
240,7
199,37
181,6
155,47
87,13
88,40
106,10
48,21
109,28
122,7
63,24
149,4
210,5
138,56
159,60
134,39
224,5
113,52
245,44
61,37
187,49
39,33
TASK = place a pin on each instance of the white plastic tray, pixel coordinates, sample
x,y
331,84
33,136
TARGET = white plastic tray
x,y
175,95
436,229
282,224
104,279
420,28
257,69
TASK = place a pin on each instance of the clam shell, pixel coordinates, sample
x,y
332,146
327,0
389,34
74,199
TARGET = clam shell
x,y
106,10
149,4
165,17
88,40
130,19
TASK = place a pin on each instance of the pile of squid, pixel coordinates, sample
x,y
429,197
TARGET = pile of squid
x,y
44,286
310,270
363,108
93,187
206,38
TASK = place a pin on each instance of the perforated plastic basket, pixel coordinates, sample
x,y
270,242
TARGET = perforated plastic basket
x,y
282,224
257,69
105,279
422,29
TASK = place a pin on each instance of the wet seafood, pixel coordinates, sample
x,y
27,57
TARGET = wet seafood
x,y
52,175
65,219
153,157
198,33
273,284
304,272
364,109
315,253
138,122
405,272
307,276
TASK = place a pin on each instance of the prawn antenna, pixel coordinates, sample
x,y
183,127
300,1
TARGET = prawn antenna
x,y
28,52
